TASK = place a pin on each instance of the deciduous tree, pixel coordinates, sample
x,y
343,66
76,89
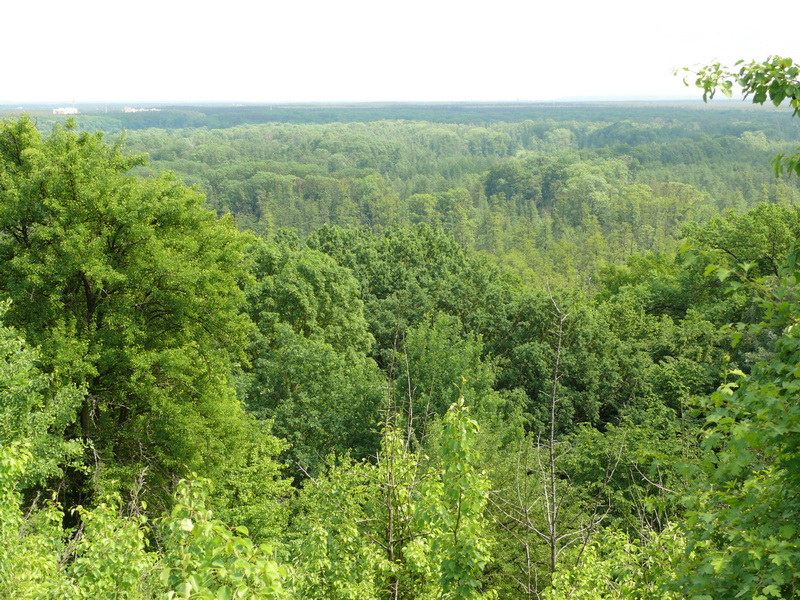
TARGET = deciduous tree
x,y
132,292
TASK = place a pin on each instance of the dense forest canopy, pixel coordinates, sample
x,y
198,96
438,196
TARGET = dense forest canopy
x,y
444,351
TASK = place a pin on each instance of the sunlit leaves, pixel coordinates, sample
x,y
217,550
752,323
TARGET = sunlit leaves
x,y
206,559
132,292
775,79
741,526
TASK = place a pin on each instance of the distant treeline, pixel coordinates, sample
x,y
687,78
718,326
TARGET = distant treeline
x,y
726,118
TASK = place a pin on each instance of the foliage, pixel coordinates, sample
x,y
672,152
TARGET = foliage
x,y
404,267
775,79
30,548
33,409
205,559
551,199
407,274
307,290
436,367
760,238
462,542
336,553
615,567
319,400
131,290
593,385
741,528
105,558
255,492
309,371
108,556
633,468
405,527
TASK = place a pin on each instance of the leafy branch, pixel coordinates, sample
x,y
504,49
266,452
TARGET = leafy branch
x,y
775,79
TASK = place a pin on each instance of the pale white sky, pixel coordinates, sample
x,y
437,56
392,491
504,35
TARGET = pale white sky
x,y
372,50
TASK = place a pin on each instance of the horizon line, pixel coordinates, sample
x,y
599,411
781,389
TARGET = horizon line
x,y
16,105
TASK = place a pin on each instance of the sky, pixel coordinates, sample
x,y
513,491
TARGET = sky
x,y
265,51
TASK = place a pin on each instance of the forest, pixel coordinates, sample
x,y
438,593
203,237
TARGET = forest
x,y
397,352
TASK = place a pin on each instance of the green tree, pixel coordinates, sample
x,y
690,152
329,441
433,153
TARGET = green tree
x,y
406,274
406,527
30,548
197,556
205,558
742,528
132,292
309,370
462,543
362,531
435,366
106,557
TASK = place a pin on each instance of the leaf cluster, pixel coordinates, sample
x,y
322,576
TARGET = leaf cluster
x,y
775,79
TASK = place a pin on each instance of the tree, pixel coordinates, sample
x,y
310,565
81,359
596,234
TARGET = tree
x,y
742,533
407,527
436,366
406,274
614,567
132,292
537,509
197,556
742,526
309,370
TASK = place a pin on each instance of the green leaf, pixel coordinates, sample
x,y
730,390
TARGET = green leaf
x,y
224,593
196,583
788,531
